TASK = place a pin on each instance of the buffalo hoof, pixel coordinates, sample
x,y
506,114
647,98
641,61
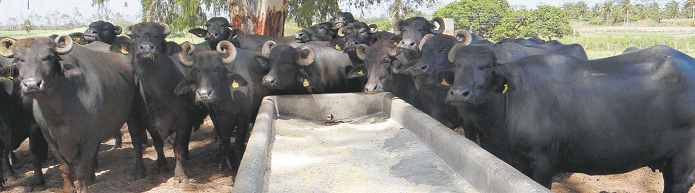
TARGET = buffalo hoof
x,y
137,175
180,180
162,169
32,188
9,178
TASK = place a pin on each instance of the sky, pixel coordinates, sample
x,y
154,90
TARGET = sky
x,y
19,7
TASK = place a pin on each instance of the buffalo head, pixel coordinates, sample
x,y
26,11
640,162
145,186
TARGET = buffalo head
x,y
42,63
286,64
209,78
412,30
318,32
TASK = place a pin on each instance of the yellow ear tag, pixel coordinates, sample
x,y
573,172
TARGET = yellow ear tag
x,y
235,84
77,39
505,88
124,51
337,47
444,83
360,73
306,83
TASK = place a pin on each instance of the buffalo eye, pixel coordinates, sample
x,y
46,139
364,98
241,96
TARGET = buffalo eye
x,y
387,60
445,50
136,36
485,67
456,65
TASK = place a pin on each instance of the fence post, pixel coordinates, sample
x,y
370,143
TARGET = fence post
x,y
675,43
609,46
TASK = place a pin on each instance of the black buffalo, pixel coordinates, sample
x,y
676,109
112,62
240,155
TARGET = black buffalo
x,y
341,19
80,98
318,32
16,125
255,42
216,30
309,68
557,113
412,30
385,72
360,33
98,31
227,82
157,77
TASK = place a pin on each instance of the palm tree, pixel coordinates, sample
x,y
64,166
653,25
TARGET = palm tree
x,y
627,6
690,4
672,9
607,8
582,7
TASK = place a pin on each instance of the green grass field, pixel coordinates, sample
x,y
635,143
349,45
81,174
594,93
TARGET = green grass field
x,y
598,41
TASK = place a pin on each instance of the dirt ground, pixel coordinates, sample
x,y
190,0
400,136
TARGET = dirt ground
x,y
116,166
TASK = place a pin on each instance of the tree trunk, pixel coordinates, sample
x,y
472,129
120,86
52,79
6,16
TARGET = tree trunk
x,y
263,17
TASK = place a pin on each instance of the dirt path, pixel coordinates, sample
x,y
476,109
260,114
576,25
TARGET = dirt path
x,y
116,166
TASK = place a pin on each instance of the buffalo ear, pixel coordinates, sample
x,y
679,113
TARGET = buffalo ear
x,y
503,83
357,72
121,45
173,48
304,79
187,85
7,80
70,70
236,80
78,38
264,62
198,32
234,33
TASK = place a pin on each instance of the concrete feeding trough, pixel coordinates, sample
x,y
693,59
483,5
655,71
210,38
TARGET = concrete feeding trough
x,y
365,143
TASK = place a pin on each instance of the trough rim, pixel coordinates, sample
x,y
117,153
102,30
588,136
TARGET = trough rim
x,y
489,173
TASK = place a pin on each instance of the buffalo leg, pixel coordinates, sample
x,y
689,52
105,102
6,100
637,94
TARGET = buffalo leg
x,y
223,130
158,143
679,173
240,140
7,167
180,146
68,185
541,171
39,150
83,165
135,128
119,140
2,173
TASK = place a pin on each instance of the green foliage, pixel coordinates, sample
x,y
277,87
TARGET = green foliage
x,y
28,26
479,16
383,23
546,21
308,12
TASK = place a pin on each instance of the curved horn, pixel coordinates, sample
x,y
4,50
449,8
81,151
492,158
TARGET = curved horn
x,y
424,39
440,23
462,36
129,30
267,47
397,28
310,56
6,47
165,28
361,52
373,28
340,32
67,46
452,52
225,46
187,49
118,30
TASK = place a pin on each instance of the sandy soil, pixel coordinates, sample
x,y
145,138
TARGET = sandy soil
x,y
116,166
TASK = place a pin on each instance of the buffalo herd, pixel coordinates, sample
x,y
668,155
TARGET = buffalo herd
x,y
541,106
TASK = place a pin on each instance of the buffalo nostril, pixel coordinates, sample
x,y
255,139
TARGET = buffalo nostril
x,y
466,93
423,67
32,83
412,44
141,47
